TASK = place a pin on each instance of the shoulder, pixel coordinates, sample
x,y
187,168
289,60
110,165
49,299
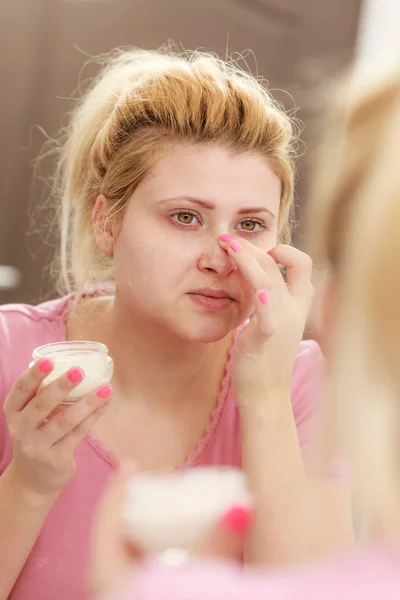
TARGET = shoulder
x,y
23,327
15,318
28,314
347,577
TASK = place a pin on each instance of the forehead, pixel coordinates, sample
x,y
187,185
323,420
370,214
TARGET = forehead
x,y
213,172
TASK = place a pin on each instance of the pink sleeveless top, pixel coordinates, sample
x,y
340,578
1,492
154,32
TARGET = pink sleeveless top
x,y
56,567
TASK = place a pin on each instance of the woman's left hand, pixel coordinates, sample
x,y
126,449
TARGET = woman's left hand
x,y
268,345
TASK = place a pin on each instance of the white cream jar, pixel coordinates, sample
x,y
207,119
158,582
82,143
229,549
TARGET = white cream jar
x,y
178,510
91,357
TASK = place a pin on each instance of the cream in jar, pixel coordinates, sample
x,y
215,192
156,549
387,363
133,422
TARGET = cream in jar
x,y
91,357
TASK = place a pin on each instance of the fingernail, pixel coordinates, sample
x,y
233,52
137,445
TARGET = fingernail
x,y
236,247
76,374
45,365
225,237
238,518
104,391
263,297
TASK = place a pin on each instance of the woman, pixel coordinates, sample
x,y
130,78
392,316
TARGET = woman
x,y
175,178
357,210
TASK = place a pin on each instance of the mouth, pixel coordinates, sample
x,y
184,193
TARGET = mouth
x,y
212,299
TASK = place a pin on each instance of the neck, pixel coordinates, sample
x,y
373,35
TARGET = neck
x,y
153,365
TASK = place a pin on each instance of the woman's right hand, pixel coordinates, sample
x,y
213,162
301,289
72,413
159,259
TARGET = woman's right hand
x,y
46,433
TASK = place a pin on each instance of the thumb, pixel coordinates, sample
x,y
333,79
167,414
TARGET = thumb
x,y
226,539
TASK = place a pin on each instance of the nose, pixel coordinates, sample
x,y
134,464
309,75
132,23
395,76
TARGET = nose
x,y
216,260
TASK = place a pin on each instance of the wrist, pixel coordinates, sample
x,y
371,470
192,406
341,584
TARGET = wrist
x,y
269,403
29,497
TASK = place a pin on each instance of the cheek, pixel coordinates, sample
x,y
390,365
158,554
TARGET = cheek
x,y
266,241
154,263
272,240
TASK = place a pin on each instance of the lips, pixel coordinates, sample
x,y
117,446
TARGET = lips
x,y
212,293
212,299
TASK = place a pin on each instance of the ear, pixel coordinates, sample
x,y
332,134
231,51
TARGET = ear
x,y
102,228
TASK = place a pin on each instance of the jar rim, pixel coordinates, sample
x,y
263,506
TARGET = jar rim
x,y
86,346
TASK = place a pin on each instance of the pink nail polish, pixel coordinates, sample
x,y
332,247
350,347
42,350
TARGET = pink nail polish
x,y
263,297
236,247
238,519
45,365
104,391
75,375
225,237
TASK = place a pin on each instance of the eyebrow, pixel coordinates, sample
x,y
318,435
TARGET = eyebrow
x,y
210,205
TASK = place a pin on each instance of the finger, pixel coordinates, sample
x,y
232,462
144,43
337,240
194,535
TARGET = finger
x,y
62,422
298,265
269,265
68,444
249,263
262,314
276,271
226,539
43,404
27,385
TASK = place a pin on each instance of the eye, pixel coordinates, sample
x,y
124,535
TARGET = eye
x,y
185,217
252,225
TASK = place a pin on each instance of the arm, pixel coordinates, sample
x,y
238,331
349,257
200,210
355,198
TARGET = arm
x,y
44,437
21,518
299,517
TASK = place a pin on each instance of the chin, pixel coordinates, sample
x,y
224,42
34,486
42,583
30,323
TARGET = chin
x,y
201,332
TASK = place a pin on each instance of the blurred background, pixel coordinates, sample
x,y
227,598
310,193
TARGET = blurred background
x,y
296,45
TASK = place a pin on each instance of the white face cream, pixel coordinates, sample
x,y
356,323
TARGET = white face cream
x,y
178,510
91,357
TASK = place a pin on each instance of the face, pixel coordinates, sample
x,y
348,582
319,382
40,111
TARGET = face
x,y
169,266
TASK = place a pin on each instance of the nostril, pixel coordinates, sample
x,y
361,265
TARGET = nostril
x,y
216,260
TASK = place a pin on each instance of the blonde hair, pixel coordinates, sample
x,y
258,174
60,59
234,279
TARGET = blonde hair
x,y
355,216
139,101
